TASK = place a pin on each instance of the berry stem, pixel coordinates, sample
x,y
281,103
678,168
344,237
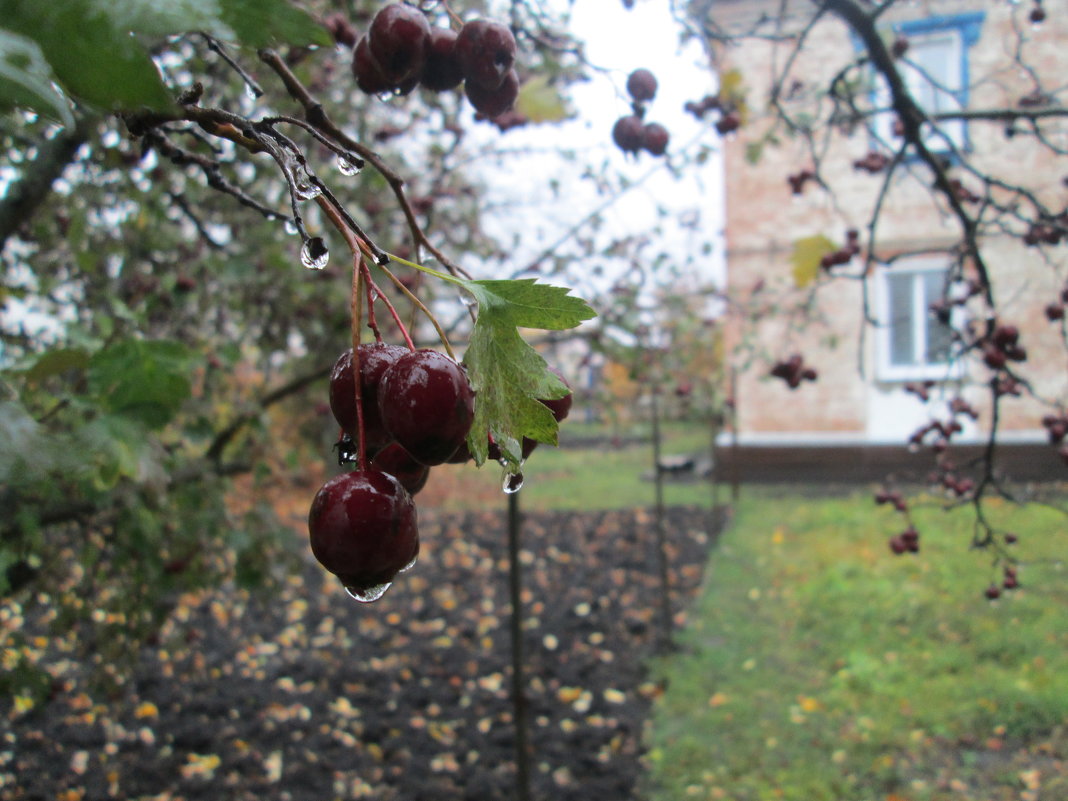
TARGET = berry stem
x,y
356,306
372,294
371,285
422,307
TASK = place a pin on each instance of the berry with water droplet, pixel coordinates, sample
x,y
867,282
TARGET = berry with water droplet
x,y
368,73
427,405
486,52
363,529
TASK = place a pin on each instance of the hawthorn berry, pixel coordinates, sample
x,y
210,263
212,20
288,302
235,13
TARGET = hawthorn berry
x,y
398,39
486,52
495,101
655,138
641,85
629,133
363,528
427,405
369,75
396,461
375,359
441,70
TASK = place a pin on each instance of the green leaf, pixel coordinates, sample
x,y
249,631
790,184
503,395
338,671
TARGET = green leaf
x,y
539,101
145,380
529,304
58,361
26,79
507,374
258,23
91,53
808,252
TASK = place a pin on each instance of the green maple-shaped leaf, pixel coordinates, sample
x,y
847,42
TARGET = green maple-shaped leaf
x,y
507,374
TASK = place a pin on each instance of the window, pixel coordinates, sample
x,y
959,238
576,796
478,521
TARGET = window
x,y
935,71
912,342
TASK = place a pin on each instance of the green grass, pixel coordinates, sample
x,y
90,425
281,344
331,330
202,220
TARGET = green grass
x,y
610,477
819,666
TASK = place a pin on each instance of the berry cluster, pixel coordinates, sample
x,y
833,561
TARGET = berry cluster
x,y
793,371
630,132
873,162
408,410
1055,310
1003,346
401,50
845,254
1051,232
798,180
729,119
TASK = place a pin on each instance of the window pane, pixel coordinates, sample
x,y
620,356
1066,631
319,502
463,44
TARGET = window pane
x,y
938,333
902,349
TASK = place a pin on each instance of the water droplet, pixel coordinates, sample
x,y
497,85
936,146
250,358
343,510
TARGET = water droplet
x,y
291,226
347,166
304,187
314,254
409,566
366,595
468,299
251,92
513,482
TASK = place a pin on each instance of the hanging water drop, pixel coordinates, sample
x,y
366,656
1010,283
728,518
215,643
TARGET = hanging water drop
x,y
291,226
468,299
314,254
252,92
513,482
347,166
305,188
366,595
409,566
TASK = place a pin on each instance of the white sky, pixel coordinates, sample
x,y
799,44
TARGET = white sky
x,y
619,41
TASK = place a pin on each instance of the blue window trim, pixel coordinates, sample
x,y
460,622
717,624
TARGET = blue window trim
x,y
968,25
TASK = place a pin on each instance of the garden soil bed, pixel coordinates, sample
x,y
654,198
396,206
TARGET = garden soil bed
x,y
309,695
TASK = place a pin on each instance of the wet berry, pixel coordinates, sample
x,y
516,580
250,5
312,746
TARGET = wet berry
x,y
486,51
363,529
427,405
375,359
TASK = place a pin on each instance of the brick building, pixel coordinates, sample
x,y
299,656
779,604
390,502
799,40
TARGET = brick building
x,y
854,421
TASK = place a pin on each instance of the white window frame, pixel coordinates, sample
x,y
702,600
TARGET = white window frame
x,y
959,32
920,315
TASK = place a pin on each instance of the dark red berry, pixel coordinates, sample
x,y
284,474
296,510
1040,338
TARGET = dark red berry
x,y
369,75
1037,15
375,359
629,133
442,69
486,52
655,138
560,407
396,461
1054,312
641,84
341,29
427,405
992,592
398,39
493,102
363,529
899,47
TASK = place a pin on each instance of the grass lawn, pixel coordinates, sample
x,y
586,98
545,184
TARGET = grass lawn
x,y
819,667
605,476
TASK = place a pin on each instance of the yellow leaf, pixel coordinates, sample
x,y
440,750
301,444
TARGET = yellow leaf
x,y
718,699
539,101
730,85
808,252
